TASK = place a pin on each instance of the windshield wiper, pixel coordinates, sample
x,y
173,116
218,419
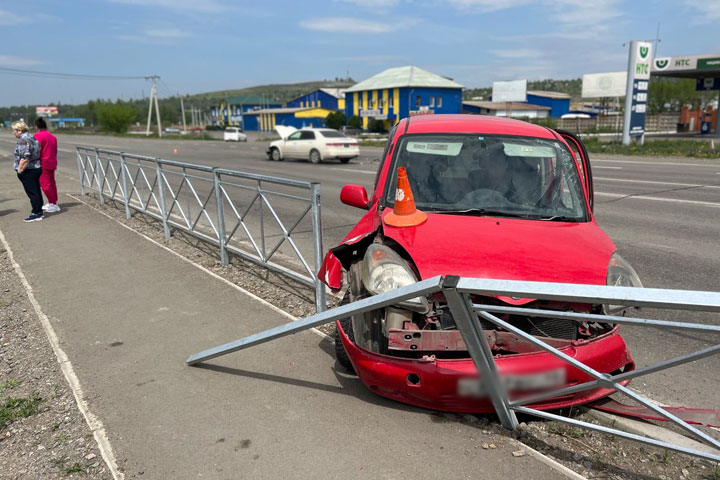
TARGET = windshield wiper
x,y
481,212
556,218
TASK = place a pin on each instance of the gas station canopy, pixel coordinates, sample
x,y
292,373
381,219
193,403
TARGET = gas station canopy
x,y
689,66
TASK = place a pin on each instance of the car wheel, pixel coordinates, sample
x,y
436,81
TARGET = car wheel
x,y
344,160
275,154
315,156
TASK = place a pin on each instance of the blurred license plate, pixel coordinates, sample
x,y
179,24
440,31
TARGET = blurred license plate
x,y
347,145
474,387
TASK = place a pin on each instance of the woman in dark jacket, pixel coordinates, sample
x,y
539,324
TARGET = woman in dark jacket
x,y
27,166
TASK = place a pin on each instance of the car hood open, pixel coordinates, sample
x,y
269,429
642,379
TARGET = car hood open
x,y
284,130
506,248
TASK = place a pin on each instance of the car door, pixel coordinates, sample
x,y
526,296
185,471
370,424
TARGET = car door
x,y
584,159
307,143
291,147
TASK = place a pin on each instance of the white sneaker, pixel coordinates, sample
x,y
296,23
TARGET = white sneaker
x,y
52,208
45,207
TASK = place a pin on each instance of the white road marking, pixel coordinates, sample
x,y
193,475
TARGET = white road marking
x,y
596,167
96,426
655,163
658,199
655,183
358,171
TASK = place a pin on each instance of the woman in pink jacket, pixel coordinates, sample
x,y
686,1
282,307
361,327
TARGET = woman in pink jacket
x,y
48,160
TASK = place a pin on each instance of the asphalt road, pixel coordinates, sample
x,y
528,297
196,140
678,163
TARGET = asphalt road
x,y
662,213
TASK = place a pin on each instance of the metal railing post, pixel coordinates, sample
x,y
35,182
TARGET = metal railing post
x,y
100,182
472,333
126,196
81,171
161,193
317,245
262,224
221,219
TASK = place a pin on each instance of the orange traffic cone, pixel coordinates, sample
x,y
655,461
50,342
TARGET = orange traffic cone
x,y
404,213
174,151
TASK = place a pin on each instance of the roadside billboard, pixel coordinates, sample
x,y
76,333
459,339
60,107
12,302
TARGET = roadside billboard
x,y
604,85
46,111
514,91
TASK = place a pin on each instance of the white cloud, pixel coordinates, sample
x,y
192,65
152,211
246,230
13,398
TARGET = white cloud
x,y
10,61
518,53
485,6
208,6
378,4
708,10
9,19
347,25
157,35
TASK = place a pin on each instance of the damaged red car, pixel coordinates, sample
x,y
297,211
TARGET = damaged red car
x,y
496,198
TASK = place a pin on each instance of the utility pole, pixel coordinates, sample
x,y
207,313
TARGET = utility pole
x,y
182,109
153,97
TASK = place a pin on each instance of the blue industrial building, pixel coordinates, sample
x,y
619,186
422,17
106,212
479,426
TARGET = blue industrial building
x,y
400,92
559,103
327,98
266,119
230,110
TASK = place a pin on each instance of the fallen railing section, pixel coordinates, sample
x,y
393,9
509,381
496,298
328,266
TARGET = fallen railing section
x,y
236,211
459,293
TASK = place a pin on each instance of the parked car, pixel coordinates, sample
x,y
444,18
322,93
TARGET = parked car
x,y
234,134
314,144
173,130
351,131
500,199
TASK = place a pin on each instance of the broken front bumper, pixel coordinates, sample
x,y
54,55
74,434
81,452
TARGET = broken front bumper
x,y
441,384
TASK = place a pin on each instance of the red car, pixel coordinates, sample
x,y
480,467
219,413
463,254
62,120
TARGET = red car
x,y
496,198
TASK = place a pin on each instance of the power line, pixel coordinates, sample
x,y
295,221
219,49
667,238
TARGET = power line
x,y
76,76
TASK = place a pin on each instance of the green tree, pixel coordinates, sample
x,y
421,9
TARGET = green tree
x,y
355,121
335,120
115,117
376,126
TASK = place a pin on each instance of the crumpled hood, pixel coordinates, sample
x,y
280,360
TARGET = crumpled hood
x,y
506,248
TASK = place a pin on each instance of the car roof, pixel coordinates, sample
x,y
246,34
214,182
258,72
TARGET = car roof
x,y
486,124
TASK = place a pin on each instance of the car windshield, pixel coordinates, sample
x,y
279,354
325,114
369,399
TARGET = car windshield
x,y
490,175
331,134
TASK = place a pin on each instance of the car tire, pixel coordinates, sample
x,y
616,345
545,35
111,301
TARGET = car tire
x,y
344,160
275,155
341,355
315,156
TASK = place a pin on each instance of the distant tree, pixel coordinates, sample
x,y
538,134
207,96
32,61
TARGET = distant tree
x,y
335,120
671,94
115,117
355,121
376,126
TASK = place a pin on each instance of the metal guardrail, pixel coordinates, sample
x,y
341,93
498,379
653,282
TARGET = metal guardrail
x,y
238,212
459,293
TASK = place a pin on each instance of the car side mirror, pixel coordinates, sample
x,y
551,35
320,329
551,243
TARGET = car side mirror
x,y
355,196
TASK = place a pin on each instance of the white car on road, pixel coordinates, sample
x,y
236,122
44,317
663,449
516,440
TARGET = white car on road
x,y
314,144
234,134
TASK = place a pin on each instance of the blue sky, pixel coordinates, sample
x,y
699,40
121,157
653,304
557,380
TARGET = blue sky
x,y
206,45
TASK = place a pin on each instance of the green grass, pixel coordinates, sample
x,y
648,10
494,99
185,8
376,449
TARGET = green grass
x,y
671,148
14,408
12,383
564,430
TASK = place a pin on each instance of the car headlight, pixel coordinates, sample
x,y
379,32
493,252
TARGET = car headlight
x,y
620,274
384,270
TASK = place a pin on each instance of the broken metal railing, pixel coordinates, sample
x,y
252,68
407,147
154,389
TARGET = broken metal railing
x,y
459,293
238,212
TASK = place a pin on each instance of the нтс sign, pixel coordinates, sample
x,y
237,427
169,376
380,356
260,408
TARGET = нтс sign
x,y
636,92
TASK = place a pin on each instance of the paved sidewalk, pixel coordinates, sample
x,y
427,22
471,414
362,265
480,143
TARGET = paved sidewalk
x,y
129,313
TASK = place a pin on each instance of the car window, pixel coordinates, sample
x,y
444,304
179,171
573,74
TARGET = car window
x,y
307,135
490,175
295,136
332,134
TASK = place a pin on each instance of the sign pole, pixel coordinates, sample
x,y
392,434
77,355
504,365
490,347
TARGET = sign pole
x,y
628,93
